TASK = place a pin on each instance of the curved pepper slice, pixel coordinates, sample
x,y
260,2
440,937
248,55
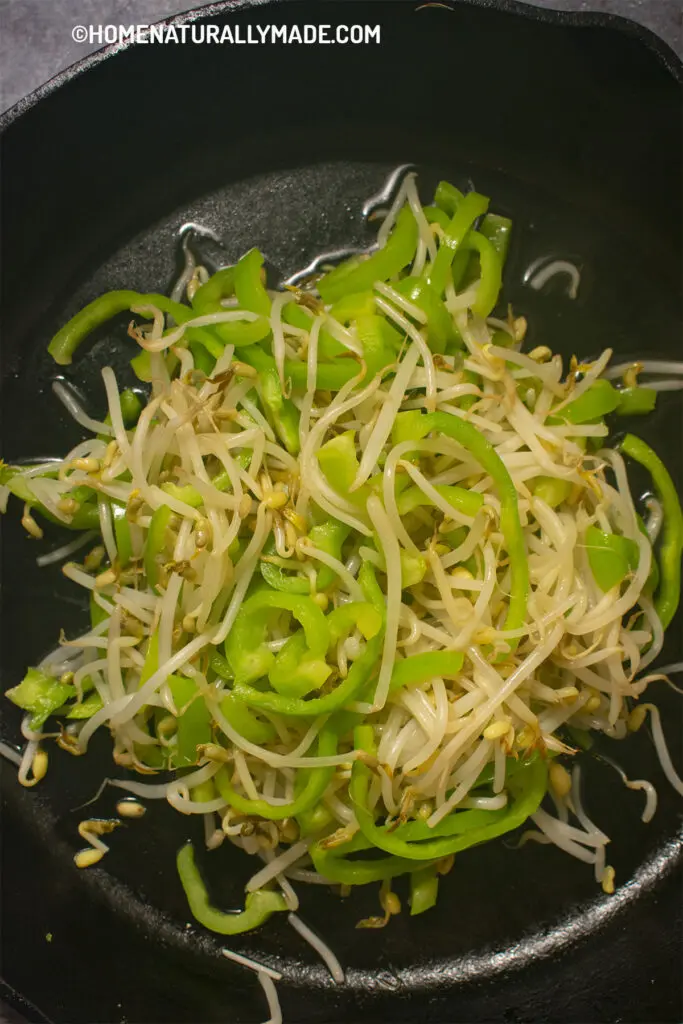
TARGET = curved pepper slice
x,y
460,829
671,545
245,649
156,543
258,905
360,275
314,783
610,556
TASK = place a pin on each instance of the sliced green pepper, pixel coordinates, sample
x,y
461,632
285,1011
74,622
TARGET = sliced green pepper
x,y
671,544
415,840
258,905
156,544
329,537
360,275
311,789
471,207
636,401
249,289
610,556
194,720
41,695
467,502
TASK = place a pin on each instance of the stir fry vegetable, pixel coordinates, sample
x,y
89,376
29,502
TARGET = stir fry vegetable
x,y
359,569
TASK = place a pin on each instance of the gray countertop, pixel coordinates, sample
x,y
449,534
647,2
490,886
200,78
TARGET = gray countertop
x,y
36,42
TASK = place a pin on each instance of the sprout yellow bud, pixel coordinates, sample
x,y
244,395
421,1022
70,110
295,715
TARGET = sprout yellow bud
x,y
519,327
39,765
497,730
560,779
322,600
202,533
540,354
86,858
130,809
636,718
592,704
86,465
105,579
189,625
68,506
275,499
568,693
608,880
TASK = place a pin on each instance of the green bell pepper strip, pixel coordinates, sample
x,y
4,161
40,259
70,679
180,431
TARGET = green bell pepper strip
x,y
335,863
339,463
276,577
155,544
354,615
97,614
467,502
313,821
381,342
203,360
245,649
551,490
297,316
249,287
497,230
124,544
636,401
424,889
194,720
41,695
329,376
86,518
96,313
360,275
247,724
471,207
418,668
329,537
447,197
220,285
309,796
442,333
491,273
350,307
359,675
476,444
435,215
600,399
458,830
282,412
610,556
371,588
258,905
295,671
671,545
89,706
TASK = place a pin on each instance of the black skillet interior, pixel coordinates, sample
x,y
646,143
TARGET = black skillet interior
x,y
575,132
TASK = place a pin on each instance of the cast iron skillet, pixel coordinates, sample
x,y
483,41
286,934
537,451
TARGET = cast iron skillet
x,y
572,125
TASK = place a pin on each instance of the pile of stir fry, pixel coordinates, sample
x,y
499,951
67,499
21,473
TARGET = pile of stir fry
x,y
363,573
